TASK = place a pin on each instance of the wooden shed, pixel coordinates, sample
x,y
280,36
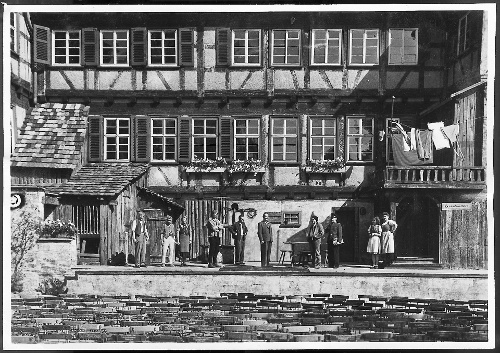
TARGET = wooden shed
x,y
102,199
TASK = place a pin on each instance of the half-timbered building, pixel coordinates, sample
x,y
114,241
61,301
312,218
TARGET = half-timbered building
x,y
289,113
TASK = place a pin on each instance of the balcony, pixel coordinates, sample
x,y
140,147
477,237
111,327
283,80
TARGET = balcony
x,y
435,177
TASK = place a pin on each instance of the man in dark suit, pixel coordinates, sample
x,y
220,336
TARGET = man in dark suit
x,y
334,240
265,233
239,230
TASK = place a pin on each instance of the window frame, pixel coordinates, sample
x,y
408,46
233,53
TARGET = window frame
x,y
114,31
117,136
14,40
176,41
246,48
284,136
67,48
466,35
246,136
336,136
205,136
313,47
164,136
297,224
365,30
286,64
403,47
349,135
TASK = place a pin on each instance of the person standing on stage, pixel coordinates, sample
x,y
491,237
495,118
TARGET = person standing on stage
x,y
168,241
373,247
265,233
334,240
387,246
141,238
214,227
184,237
314,236
239,230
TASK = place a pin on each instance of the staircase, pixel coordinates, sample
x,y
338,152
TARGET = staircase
x,y
416,262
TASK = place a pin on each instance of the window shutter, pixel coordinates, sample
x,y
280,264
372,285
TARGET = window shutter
x,y
184,139
90,46
222,46
341,137
410,49
304,50
42,44
186,53
95,133
139,46
141,138
226,137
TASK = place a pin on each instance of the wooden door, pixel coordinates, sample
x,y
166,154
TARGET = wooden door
x,y
155,220
347,217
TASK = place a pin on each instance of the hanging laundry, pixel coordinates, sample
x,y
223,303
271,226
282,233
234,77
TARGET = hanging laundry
x,y
406,158
438,138
451,132
418,146
426,140
413,139
406,140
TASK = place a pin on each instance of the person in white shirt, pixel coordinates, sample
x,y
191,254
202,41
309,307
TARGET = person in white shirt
x,y
141,238
168,241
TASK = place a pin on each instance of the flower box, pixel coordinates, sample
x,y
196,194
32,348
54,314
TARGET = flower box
x,y
325,170
256,170
208,170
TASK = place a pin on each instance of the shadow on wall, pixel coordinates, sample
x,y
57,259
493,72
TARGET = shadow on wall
x,y
301,235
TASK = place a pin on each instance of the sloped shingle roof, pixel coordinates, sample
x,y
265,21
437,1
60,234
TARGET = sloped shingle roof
x,y
52,136
100,179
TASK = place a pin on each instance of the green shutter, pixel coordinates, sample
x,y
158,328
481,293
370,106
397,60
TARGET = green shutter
x,y
42,44
226,137
142,145
90,47
186,45
184,139
139,46
222,46
95,138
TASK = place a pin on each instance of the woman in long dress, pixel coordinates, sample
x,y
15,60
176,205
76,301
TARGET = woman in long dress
x,y
387,247
373,247
184,236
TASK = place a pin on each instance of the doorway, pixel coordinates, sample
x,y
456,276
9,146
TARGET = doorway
x,y
346,216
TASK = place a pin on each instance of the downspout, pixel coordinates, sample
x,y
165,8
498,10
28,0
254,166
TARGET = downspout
x,y
34,80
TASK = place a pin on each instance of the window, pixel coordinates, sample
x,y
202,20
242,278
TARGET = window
x,y
290,219
285,47
389,156
13,30
205,138
246,47
364,47
114,48
322,138
163,139
246,138
66,47
116,138
326,46
360,139
162,48
464,34
284,135
403,46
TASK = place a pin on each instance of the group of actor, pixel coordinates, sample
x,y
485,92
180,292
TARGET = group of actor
x,y
381,240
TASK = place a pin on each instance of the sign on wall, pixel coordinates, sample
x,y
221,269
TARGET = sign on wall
x,y
451,206
16,200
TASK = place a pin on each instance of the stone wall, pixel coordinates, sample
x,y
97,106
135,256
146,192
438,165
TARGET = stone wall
x,y
49,258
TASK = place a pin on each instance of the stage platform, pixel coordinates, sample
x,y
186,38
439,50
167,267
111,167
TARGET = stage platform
x,y
351,280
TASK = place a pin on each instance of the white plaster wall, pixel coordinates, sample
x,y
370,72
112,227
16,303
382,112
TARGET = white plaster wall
x,y
283,78
33,205
163,176
356,173
215,81
286,175
433,79
209,48
256,80
316,81
191,80
365,79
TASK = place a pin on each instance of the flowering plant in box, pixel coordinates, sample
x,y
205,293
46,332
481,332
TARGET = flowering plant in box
x,y
245,166
206,165
57,229
317,165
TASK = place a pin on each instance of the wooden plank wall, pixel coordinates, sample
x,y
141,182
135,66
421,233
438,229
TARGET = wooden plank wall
x,y
465,117
30,176
464,237
198,212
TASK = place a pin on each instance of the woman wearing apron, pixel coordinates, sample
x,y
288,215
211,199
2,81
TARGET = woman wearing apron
x,y
387,246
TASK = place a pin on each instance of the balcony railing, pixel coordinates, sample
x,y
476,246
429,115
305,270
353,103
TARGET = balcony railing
x,y
432,175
